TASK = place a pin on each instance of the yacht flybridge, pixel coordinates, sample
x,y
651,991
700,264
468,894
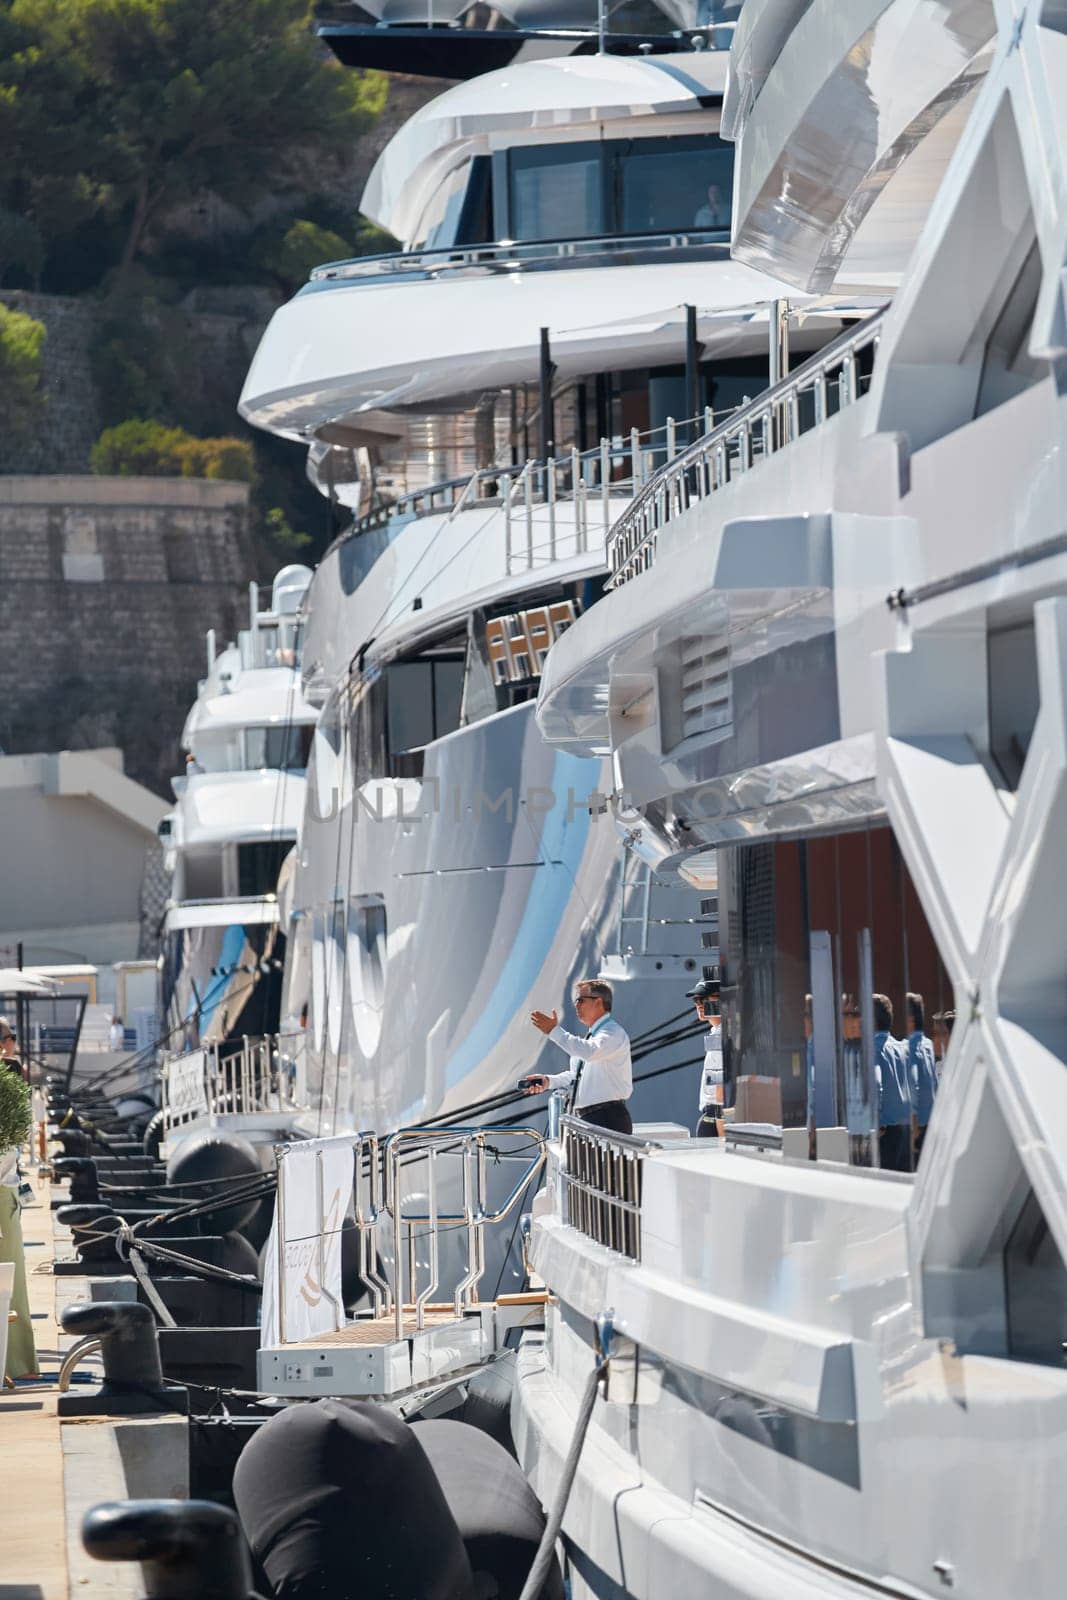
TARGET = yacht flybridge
x,y
237,813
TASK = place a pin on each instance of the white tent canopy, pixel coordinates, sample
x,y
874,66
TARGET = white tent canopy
x,y
24,980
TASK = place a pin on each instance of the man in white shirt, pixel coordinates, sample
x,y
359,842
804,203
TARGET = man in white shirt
x,y
600,1075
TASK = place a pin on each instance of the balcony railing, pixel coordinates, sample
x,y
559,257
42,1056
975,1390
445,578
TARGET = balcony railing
x,y
834,378
601,1175
506,257
590,483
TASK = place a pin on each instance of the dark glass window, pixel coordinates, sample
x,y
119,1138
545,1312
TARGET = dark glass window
x,y
410,705
258,865
460,210
1035,1284
1014,697
673,183
423,702
627,186
557,192
283,747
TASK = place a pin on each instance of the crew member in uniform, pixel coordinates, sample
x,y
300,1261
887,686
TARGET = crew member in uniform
x,y
705,996
600,1076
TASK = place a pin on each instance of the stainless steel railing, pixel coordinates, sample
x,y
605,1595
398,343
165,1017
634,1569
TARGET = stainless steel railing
x,y
245,1078
595,485
601,1176
537,256
830,381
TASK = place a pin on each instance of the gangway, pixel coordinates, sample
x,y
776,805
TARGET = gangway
x,y
419,1202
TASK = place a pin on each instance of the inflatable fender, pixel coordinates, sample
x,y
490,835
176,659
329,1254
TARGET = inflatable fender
x,y
203,1159
338,1500
498,1515
153,1137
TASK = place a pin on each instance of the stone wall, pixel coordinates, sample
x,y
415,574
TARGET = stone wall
x,y
215,349
71,424
109,585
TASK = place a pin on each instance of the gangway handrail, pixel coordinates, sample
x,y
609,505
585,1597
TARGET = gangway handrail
x,y
380,1164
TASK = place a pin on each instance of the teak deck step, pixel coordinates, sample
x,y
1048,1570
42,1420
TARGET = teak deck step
x,y
382,1330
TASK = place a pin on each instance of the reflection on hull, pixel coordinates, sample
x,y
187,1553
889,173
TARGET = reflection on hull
x,y
469,898
221,982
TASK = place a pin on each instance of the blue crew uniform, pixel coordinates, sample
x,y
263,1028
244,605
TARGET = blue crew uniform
x,y
894,1102
922,1076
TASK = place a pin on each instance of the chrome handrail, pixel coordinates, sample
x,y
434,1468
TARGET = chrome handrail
x,y
506,256
380,1167
593,481
244,1077
754,431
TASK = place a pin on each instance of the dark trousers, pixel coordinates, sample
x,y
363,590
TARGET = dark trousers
x,y
707,1124
894,1148
610,1114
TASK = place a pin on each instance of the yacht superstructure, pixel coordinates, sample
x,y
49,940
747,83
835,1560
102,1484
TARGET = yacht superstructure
x,y
237,812
822,1369
563,316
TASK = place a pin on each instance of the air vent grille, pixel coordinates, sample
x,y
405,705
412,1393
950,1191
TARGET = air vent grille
x,y
706,701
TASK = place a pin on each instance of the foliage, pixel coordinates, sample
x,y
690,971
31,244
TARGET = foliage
x,y
21,370
302,246
140,448
281,537
131,108
16,1118
21,247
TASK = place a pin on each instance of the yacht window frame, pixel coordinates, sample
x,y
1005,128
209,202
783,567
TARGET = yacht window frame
x,y
611,151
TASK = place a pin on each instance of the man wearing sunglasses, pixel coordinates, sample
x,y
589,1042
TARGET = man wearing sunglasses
x,y
600,1075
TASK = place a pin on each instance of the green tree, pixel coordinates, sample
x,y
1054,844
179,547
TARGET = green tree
x,y
140,448
280,536
302,246
170,99
16,1118
51,149
21,371
21,246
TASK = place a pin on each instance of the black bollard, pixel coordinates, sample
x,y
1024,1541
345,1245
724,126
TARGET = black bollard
x,y
189,1549
82,1175
133,1377
75,1141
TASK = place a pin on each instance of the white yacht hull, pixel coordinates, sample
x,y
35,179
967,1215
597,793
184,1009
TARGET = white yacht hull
x,y
790,1429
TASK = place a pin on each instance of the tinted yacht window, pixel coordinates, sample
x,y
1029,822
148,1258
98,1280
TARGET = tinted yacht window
x,y
627,186
281,747
663,184
557,192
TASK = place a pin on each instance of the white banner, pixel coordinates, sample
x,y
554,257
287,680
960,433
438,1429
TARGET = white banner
x,y
302,1277
186,1095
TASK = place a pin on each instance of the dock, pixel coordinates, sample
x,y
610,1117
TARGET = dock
x,y
35,1544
